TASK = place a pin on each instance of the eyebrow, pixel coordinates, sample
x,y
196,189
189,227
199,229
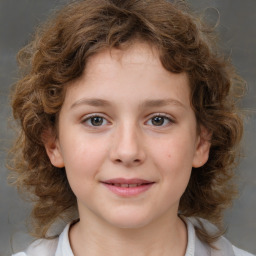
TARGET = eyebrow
x,y
161,103
95,102
91,102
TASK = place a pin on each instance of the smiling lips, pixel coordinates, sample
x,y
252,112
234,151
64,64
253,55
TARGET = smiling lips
x,y
127,187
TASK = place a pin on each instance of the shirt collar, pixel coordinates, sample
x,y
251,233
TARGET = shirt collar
x,y
64,247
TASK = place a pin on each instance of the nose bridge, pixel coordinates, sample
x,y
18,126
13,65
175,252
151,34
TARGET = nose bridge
x,y
127,145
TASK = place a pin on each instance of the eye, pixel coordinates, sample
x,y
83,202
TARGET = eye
x,y
160,120
95,120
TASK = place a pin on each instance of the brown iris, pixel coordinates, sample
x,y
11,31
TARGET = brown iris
x,y
96,121
157,120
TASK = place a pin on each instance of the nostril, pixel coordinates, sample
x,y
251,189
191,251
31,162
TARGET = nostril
x,y
134,161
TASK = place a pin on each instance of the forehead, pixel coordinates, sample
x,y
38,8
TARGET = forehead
x,y
132,74
137,53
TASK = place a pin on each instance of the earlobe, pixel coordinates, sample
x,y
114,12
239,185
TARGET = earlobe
x,y
202,148
52,148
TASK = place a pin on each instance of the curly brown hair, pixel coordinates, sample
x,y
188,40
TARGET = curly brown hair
x,y
58,55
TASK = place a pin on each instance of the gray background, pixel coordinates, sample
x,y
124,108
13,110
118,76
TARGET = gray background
x,y
18,19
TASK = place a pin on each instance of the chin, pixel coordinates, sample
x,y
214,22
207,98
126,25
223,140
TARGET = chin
x,y
129,220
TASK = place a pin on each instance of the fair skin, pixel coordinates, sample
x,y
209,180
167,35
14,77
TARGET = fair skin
x,y
143,129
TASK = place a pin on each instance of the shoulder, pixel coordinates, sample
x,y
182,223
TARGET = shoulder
x,y
50,247
41,247
223,245
229,249
239,252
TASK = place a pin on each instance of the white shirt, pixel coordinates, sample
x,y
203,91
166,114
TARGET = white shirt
x,y
61,246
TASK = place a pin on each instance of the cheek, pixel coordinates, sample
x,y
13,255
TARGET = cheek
x,y
83,162
174,157
84,157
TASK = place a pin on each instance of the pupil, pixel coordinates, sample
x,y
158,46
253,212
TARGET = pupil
x,y
158,120
96,121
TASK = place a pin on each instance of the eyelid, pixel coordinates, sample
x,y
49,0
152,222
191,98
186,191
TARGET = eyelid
x,y
167,116
161,114
87,117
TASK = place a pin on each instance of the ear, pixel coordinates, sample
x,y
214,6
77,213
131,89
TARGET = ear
x,y
52,148
202,148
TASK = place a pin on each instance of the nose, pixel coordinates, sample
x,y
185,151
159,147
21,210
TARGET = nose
x,y
127,146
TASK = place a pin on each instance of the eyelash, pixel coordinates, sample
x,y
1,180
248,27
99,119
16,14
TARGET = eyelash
x,y
87,118
162,115
165,116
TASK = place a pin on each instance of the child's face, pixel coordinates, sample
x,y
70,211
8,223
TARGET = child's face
x,y
128,118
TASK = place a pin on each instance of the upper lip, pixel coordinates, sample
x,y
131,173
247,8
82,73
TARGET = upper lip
x,y
127,181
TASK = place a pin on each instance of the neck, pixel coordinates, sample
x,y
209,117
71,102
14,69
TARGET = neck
x,y
167,236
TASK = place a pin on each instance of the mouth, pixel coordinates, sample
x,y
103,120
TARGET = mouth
x,y
128,187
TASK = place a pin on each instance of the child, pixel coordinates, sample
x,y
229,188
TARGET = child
x,y
128,118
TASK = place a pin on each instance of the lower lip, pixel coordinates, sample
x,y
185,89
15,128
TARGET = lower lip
x,y
128,192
